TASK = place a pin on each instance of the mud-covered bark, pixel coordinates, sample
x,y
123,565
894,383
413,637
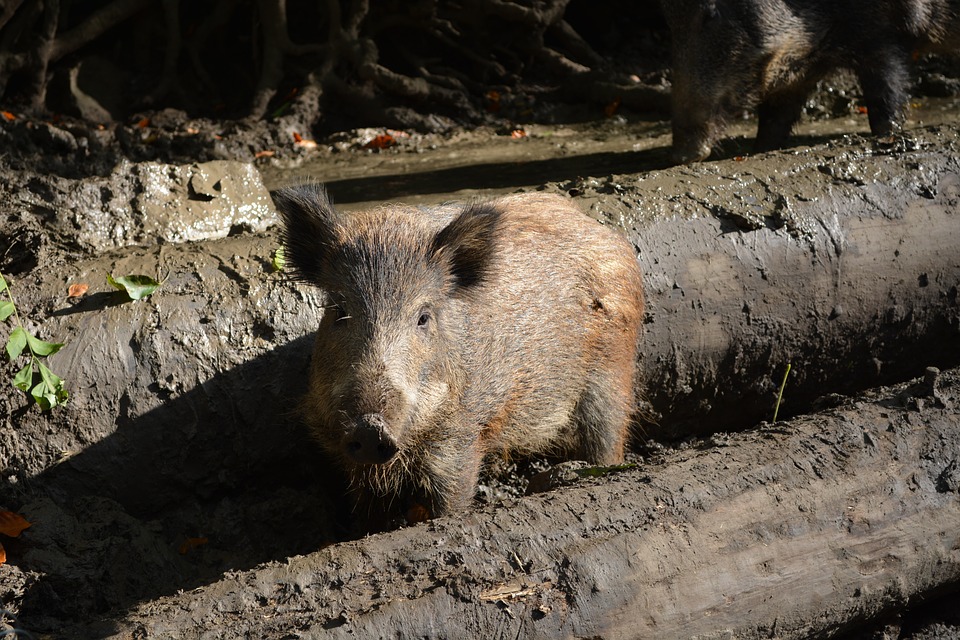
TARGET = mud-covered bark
x,y
797,530
842,264
839,260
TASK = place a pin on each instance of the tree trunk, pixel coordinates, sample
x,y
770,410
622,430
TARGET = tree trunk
x,y
795,530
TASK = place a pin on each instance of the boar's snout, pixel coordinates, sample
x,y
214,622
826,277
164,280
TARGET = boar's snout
x,y
368,441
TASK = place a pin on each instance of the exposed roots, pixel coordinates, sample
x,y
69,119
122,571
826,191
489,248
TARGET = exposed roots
x,y
413,65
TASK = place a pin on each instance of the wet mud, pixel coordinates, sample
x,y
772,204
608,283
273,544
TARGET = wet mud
x,y
178,462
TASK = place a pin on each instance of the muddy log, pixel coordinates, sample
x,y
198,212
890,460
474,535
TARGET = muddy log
x,y
795,530
841,262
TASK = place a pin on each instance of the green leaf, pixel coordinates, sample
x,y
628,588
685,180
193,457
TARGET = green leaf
x,y
598,472
16,342
136,286
3,283
49,392
41,348
6,310
279,259
24,378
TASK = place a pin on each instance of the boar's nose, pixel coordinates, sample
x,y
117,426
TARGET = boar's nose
x,y
368,441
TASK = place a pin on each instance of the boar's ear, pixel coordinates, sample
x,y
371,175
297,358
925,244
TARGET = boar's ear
x,y
309,222
467,243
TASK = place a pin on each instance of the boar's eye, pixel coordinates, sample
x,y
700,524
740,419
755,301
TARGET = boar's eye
x,y
339,311
424,320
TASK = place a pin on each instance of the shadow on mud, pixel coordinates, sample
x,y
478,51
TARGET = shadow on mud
x,y
219,478
497,175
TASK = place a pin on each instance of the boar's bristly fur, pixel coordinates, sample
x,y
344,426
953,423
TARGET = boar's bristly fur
x,y
732,54
462,331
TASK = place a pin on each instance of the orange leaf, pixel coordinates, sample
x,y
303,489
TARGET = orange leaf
x,y
77,290
383,141
861,109
12,524
517,134
493,101
192,543
297,137
3,555
143,122
264,154
611,108
7,115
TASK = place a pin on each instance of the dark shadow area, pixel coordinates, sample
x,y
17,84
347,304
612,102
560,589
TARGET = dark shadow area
x,y
94,302
497,175
219,478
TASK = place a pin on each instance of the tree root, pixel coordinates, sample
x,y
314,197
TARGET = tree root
x,y
402,59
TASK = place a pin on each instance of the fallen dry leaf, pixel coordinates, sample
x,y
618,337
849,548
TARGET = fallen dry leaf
x,y
300,141
7,115
12,524
611,108
143,123
77,289
192,543
493,101
861,109
517,134
265,154
383,141
3,555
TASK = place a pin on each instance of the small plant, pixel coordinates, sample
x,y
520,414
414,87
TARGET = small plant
x,y
34,378
279,260
776,409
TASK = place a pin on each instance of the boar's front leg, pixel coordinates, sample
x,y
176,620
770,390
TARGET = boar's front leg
x,y
451,476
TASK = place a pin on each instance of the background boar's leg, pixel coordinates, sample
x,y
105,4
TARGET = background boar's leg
x,y
777,114
883,78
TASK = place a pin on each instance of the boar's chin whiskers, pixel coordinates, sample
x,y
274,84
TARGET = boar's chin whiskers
x,y
387,479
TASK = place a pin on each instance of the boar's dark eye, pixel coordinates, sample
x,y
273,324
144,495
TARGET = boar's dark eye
x,y
424,320
339,311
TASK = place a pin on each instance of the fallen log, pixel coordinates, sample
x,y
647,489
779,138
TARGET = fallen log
x,y
840,260
795,530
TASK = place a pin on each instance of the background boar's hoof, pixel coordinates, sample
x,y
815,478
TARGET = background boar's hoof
x,y
369,442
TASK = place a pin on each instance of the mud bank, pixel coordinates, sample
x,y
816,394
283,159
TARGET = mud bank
x,y
839,259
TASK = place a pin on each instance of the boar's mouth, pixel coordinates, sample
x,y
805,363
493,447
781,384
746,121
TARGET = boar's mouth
x,y
367,440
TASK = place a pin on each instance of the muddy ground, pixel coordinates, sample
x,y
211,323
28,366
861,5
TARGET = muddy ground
x,y
113,526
